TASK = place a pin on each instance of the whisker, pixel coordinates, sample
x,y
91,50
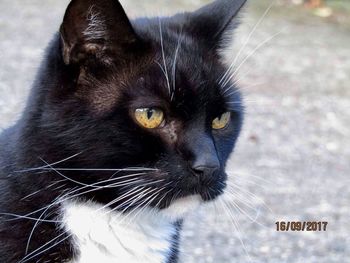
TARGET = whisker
x,y
243,175
242,211
175,196
234,223
163,55
101,170
235,84
32,194
36,224
42,167
34,227
245,181
75,181
59,187
251,54
145,206
67,196
247,87
241,198
174,64
29,218
148,191
247,192
133,191
65,177
34,254
160,200
237,81
145,203
140,180
129,203
135,197
223,79
57,182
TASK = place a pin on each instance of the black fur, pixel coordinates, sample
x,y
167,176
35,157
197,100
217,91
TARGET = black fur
x,y
81,107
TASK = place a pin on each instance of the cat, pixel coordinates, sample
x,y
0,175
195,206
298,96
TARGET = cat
x,y
128,127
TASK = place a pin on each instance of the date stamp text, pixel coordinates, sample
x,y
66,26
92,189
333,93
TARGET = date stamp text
x,y
283,226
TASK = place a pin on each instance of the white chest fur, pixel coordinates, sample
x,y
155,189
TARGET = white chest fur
x,y
102,235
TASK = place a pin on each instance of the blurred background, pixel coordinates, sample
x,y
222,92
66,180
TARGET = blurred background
x,y
292,162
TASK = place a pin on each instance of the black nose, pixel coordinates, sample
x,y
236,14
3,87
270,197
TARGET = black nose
x,y
205,165
204,161
205,172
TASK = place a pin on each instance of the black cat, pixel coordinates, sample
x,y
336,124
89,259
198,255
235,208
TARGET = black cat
x,y
128,127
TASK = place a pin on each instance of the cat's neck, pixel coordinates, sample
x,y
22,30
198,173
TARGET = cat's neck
x,y
103,235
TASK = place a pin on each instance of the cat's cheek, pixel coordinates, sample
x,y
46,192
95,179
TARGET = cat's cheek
x,y
169,134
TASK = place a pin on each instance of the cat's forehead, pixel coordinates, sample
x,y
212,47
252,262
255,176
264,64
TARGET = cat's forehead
x,y
176,70
179,68
188,89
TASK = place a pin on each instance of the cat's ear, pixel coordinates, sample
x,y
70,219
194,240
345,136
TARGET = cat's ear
x,y
97,29
215,22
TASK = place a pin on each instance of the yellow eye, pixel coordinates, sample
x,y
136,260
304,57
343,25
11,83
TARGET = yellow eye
x,y
221,121
149,118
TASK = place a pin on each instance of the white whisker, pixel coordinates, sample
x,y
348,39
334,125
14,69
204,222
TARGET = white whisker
x,y
37,252
250,55
223,79
29,218
234,223
163,56
27,196
145,203
255,197
242,211
243,175
67,196
174,64
133,191
51,164
101,170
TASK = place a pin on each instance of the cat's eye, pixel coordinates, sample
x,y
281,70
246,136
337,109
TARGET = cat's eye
x,y
149,118
221,121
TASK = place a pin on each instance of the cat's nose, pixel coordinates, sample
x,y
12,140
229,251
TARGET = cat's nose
x,y
206,162
205,172
202,154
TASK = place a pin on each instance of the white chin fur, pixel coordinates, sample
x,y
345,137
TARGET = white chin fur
x,y
102,235
181,207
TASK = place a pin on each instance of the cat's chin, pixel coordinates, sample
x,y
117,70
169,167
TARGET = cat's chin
x,y
181,207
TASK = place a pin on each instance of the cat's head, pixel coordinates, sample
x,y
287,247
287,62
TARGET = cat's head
x,y
150,96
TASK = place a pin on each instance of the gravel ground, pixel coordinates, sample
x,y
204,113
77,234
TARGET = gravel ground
x,y
292,162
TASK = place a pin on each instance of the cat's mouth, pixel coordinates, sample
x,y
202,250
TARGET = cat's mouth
x,y
175,193
208,188
204,193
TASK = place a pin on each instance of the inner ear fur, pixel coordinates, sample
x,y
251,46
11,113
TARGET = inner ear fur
x,y
98,29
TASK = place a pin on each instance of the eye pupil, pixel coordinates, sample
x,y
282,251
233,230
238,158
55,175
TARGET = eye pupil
x,y
149,118
149,114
